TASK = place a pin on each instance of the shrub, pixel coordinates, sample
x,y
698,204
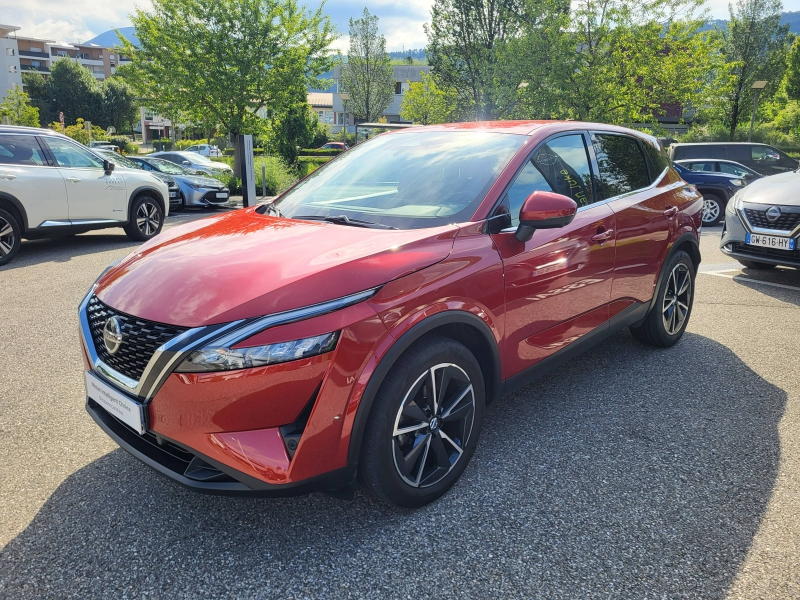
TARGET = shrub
x,y
124,144
309,164
278,176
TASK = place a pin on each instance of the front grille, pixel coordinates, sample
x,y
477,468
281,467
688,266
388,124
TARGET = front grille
x,y
786,222
759,251
140,338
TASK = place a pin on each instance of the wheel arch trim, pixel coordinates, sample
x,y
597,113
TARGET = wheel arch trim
x,y
687,237
19,208
403,343
143,189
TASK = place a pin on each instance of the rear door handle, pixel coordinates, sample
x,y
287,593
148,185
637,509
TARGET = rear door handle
x,y
7,176
671,212
73,180
604,236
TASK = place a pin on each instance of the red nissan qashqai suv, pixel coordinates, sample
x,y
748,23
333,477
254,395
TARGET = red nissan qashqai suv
x,y
355,328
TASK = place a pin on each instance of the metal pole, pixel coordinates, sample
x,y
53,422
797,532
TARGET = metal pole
x,y
263,181
753,118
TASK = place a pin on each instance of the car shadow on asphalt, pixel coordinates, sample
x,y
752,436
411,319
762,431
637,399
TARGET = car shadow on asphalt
x,y
64,249
782,276
631,472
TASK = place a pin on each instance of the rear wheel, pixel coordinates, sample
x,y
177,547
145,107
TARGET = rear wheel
x,y
668,317
713,209
147,218
10,237
751,264
424,425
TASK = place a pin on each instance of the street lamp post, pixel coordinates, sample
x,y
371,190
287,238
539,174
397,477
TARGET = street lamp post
x,y
757,87
343,98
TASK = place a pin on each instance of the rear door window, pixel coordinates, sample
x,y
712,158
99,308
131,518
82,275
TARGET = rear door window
x,y
621,163
21,150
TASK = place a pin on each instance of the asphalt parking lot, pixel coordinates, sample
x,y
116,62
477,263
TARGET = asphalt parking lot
x,y
628,473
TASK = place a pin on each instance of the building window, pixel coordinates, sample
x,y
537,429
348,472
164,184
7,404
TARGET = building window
x,y
12,68
398,88
34,49
10,51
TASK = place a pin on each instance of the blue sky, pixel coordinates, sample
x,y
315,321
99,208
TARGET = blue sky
x,y
401,21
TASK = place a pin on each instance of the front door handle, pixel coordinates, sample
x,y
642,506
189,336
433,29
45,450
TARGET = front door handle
x,y
603,236
73,180
7,176
671,212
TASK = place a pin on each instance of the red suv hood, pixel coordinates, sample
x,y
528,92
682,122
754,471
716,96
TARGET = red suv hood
x,y
243,264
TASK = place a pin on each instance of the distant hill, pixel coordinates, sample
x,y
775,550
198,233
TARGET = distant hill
x,y
109,39
792,18
415,53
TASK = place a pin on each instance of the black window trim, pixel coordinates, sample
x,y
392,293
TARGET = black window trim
x,y
596,167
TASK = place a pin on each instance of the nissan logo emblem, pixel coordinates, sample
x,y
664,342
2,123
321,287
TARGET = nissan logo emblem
x,y
112,335
773,214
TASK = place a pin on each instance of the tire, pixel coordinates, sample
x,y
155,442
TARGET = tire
x,y
10,237
147,219
759,266
666,320
411,454
713,209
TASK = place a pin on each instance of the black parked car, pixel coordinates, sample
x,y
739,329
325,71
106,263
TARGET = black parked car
x,y
759,157
717,189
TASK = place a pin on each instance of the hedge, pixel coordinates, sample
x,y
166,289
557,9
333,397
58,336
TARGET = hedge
x,y
308,164
320,152
230,151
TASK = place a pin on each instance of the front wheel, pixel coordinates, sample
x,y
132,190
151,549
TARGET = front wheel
x,y
668,317
424,424
147,218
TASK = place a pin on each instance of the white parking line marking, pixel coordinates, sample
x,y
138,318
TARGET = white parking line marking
x,y
740,278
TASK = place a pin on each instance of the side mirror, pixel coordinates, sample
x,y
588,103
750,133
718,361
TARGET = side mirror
x,y
108,166
544,210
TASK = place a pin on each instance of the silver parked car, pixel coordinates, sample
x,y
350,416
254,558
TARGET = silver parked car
x,y
195,189
762,223
194,161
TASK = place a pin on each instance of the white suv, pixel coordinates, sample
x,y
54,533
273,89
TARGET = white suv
x,y
51,185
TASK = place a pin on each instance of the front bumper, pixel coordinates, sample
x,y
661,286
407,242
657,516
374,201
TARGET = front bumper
x,y
733,242
206,197
202,473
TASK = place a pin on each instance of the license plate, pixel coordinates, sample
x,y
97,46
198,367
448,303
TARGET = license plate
x,y
173,194
222,195
118,404
770,241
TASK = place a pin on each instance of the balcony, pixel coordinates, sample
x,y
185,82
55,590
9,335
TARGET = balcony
x,y
41,69
34,54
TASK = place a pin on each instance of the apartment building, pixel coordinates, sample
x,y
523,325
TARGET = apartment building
x,y
329,105
19,54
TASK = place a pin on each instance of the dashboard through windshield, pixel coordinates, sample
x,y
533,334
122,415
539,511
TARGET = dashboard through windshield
x,y
405,180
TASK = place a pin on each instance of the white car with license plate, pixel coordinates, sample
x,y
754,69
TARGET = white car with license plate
x,y
762,223
50,186
205,150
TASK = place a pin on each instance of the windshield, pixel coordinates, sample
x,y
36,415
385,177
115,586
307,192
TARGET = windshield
x,y
166,166
118,159
407,180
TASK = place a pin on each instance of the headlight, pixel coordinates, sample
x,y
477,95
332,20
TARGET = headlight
x,y
738,182
196,186
735,202
228,359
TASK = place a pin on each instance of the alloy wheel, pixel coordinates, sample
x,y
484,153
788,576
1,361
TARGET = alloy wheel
x,y
710,213
675,307
6,237
433,425
147,218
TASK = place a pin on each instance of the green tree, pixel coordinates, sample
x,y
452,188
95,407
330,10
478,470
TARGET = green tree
x,y
16,108
426,103
297,128
793,71
755,46
223,60
75,92
39,95
120,106
79,132
466,44
367,76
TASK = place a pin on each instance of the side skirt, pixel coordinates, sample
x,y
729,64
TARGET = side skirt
x,y
632,315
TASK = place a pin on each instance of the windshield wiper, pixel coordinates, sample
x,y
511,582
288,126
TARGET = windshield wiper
x,y
345,220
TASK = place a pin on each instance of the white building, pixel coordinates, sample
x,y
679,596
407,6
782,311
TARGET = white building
x,y
329,105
